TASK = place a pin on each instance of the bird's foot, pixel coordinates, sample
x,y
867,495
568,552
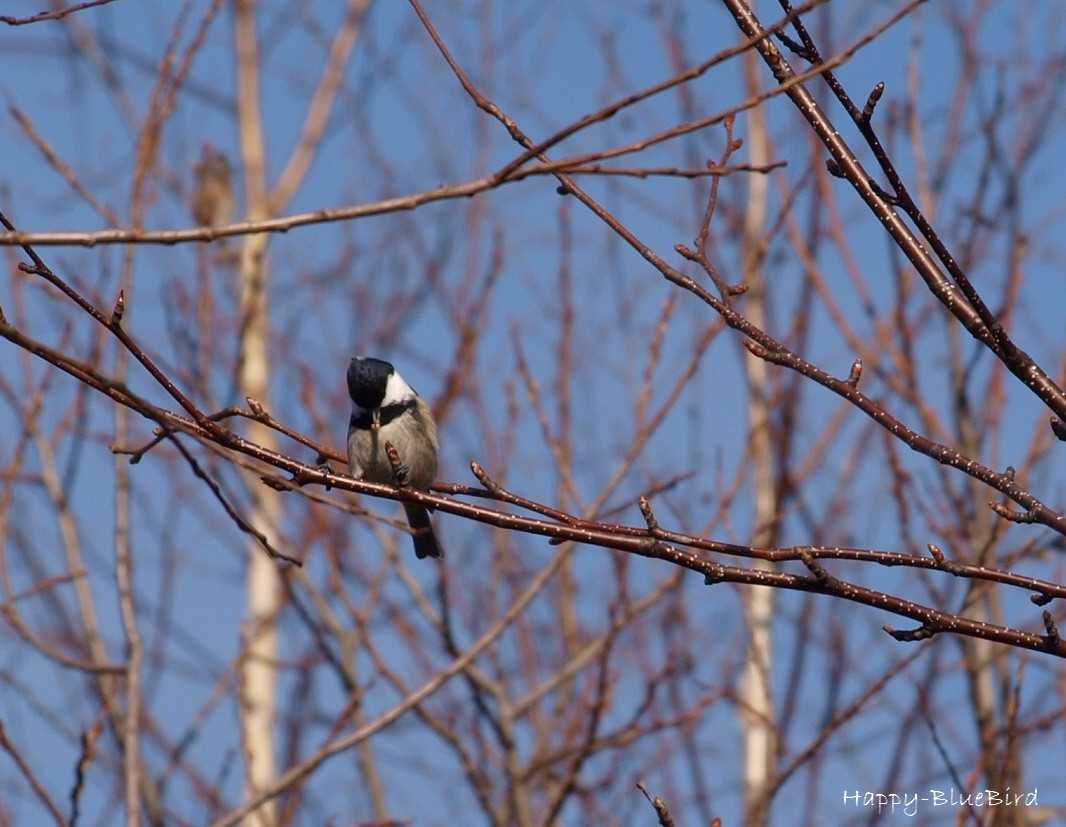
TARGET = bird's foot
x,y
400,471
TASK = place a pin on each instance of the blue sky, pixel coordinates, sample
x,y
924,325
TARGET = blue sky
x,y
402,124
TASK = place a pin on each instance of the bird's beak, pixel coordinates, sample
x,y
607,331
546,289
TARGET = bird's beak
x,y
375,419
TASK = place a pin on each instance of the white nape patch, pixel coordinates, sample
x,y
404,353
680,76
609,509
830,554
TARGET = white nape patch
x,y
397,391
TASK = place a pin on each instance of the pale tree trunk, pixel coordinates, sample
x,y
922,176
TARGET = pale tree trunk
x,y
756,692
125,584
258,672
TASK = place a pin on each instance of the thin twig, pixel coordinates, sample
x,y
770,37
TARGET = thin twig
x,y
661,810
57,14
31,777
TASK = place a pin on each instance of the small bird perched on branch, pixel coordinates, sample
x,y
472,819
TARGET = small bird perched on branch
x,y
387,411
212,203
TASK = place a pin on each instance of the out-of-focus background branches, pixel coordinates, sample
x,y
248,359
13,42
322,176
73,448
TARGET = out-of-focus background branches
x,y
740,361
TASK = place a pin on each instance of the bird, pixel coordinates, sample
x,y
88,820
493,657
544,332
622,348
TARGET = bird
x,y
385,409
212,203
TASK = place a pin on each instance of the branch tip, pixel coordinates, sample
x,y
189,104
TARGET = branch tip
x,y
256,407
855,374
717,575
661,810
756,349
119,309
271,481
871,102
942,562
1006,513
647,513
1052,630
483,477
686,252
797,49
814,567
923,632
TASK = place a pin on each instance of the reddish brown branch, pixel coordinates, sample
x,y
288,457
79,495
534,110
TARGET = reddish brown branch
x,y
31,778
969,308
662,812
56,14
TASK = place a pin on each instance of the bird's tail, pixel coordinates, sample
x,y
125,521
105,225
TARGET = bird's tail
x,y
425,540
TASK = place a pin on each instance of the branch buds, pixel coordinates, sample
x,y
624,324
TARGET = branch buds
x,y
119,310
648,514
871,102
1052,630
923,632
755,349
687,253
855,374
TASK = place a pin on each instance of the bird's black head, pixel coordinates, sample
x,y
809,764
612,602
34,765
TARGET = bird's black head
x,y
367,380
